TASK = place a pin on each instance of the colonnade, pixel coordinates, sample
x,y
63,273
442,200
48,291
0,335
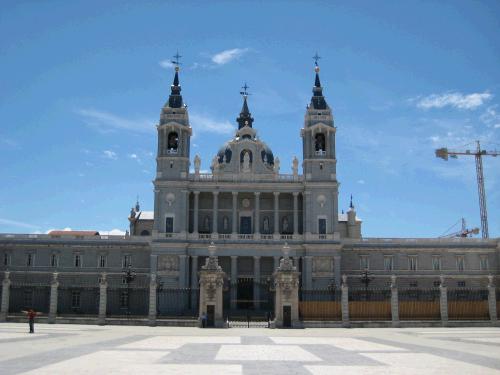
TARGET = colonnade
x,y
257,211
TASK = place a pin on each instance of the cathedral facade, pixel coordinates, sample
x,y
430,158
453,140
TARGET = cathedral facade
x,y
249,210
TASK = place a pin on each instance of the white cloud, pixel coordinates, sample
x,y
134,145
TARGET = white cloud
x,y
361,182
491,117
202,123
133,156
110,154
112,232
166,64
453,99
228,55
106,122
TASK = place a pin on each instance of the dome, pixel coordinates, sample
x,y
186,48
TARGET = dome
x,y
266,154
225,151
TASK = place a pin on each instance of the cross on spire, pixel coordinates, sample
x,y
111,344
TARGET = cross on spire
x,y
316,58
245,88
176,59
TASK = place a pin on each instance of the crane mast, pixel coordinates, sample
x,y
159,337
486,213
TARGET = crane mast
x,y
444,153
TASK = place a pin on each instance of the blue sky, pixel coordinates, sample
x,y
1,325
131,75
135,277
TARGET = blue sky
x,y
82,85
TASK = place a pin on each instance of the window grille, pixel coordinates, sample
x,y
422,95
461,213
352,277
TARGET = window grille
x,y
364,262
78,260
412,263
388,263
75,300
102,261
436,263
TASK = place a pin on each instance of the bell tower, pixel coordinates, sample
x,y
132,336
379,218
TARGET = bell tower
x,y
172,161
319,163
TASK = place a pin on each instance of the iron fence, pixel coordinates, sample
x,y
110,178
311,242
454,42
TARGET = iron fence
x,y
74,300
127,301
419,304
178,302
320,304
29,296
468,304
370,304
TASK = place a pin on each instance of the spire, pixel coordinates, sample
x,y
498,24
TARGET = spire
x,y
175,98
245,118
351,206
318,100
137,206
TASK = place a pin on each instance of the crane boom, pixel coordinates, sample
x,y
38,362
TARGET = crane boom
x,y
444,153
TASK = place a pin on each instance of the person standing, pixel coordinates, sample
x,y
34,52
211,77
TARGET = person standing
x,y
31,319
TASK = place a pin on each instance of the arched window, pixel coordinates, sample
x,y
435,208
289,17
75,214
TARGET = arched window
x,y
319,143
172,143
145,233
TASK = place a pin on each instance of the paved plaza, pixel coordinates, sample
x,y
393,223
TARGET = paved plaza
x,y
79,349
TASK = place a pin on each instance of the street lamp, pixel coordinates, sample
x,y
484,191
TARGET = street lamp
x,y
366,279
129,276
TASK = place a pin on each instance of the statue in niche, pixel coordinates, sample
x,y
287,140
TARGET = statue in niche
x,y
225,223
206,224
277,165
246,162
197,164
284,224
266,224
295,166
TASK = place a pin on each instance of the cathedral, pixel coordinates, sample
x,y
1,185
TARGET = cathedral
x,y
249,211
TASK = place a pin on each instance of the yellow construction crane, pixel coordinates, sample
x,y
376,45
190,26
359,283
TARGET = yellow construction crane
x,y
478,153
464,232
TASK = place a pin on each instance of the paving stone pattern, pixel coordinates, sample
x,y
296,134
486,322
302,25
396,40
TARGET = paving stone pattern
x,y
74,349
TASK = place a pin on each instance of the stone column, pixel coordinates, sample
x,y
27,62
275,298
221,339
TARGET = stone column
x,y
4,310
276,214
215,211
54,285
286,283
194,278
103,299
152,300
443,301
257,213
492,299
308,270
234,281
211,286
345,302
195,211
256,281
337,259
394,302
235,213
182,271
295,213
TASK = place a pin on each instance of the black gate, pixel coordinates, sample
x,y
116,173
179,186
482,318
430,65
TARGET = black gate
x,y
247,303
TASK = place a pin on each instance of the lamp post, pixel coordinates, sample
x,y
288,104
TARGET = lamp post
x,y
366,279
129,276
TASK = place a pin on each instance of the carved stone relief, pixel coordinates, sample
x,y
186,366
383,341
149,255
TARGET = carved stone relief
x,y
168,263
